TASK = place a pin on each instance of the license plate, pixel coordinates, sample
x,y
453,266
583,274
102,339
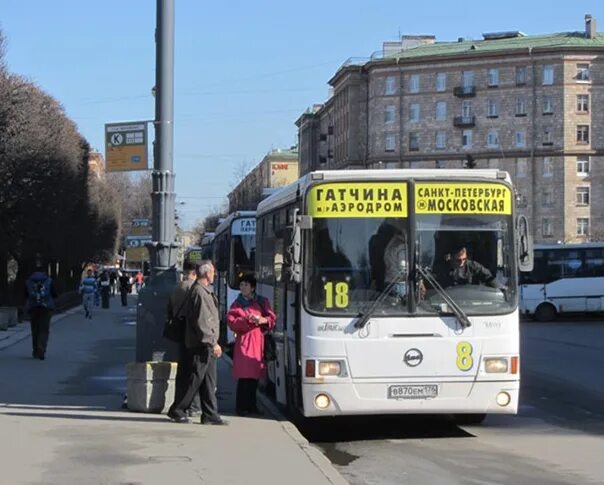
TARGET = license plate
x,y
413,392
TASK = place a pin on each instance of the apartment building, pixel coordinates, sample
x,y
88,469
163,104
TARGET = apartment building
x,y
525,104
277,168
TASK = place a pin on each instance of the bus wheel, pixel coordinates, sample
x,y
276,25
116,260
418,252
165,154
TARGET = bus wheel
x,y
469,419
545,312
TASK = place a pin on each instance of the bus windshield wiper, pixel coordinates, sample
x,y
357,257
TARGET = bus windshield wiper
x,y
365,314
463,319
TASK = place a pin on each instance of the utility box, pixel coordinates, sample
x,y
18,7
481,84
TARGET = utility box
x,y
151,386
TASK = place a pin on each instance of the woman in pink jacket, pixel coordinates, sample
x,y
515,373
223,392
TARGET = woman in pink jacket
x,y
249,317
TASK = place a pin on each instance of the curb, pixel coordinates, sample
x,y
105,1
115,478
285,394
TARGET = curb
x,y
26,333
314,455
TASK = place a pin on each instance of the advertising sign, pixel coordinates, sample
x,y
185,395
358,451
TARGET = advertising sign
x,y
126,146
135,247
140,227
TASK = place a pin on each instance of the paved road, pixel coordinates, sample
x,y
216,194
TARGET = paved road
x,y
558,437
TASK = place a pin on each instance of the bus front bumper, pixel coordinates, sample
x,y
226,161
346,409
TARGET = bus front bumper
x,y
490,397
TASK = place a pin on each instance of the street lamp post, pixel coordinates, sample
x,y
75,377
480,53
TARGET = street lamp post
x,y
152,301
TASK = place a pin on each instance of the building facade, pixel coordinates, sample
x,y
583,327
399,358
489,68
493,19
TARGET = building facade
x,y
524,104
277,168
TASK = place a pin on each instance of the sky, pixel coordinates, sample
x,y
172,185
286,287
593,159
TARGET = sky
x,y
244,70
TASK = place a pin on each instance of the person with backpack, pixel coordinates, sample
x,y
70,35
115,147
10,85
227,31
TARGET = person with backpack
x,y
40,302
88,290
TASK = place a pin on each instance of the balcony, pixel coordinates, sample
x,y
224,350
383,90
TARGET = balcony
x,y
464,91
464,121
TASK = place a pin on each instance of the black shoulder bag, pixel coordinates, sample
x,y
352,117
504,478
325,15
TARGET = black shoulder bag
x,y
174,328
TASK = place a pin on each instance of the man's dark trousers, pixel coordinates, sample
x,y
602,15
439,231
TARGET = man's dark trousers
x,y
183,373
40,327
202,380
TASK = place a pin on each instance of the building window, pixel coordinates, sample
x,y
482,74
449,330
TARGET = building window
x,y
582,134
548,167
466,108
521,167
414,112
390,142
548,74
520,139
548,105
466,139
441,111
390,114
521,75
520,106
582,226
548,198
583,166
390,85
493,139
547,137
547,228
492,108
582,195
468,79
441,82
583,103
493,78
413,142
441,140
582,72
414,83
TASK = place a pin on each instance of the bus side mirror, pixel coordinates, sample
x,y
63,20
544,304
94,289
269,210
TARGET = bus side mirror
x,y
294,252
524,245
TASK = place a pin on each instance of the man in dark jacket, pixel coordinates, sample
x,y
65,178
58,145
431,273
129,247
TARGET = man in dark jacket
x,y
201,341
176,310
40,296
460,270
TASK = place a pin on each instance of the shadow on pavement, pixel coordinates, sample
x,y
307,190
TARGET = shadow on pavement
x,y
91,417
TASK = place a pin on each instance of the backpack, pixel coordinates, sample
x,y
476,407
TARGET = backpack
x,y
39,295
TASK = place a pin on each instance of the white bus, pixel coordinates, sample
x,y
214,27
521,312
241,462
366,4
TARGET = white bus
x,y
351,343
566,278
233,250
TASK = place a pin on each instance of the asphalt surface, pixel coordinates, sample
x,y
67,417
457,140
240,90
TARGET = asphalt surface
x,y
557,438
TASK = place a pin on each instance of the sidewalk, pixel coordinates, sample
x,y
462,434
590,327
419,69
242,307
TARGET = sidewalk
x,y
62,421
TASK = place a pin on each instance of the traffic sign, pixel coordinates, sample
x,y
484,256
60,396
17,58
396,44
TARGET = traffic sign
x,y
126,146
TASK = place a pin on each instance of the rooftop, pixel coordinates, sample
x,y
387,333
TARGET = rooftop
x,y
577,40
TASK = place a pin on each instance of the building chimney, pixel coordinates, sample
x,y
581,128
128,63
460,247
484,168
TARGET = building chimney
x,y
590,27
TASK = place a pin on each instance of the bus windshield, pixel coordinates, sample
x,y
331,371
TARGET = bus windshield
x,y
472,258
243,252
352,260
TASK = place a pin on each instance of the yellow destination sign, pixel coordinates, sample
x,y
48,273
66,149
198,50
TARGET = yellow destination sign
x,y
126,146
358,199
462,198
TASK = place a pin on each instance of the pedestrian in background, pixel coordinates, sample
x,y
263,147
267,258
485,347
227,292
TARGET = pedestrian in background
x,y
113,282
125,288
105,288
176,312
40,302
139,279
249,317
88,290
201,341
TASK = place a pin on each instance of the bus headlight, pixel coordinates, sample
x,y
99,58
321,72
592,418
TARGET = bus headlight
x,y
496,365
330,368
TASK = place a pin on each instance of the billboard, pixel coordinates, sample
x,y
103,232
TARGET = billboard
x,y
135,247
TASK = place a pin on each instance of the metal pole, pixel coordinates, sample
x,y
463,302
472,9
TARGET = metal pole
x,y
151,310
163,255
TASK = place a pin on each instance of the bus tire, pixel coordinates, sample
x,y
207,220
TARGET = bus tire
x,y
546,312
470,419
